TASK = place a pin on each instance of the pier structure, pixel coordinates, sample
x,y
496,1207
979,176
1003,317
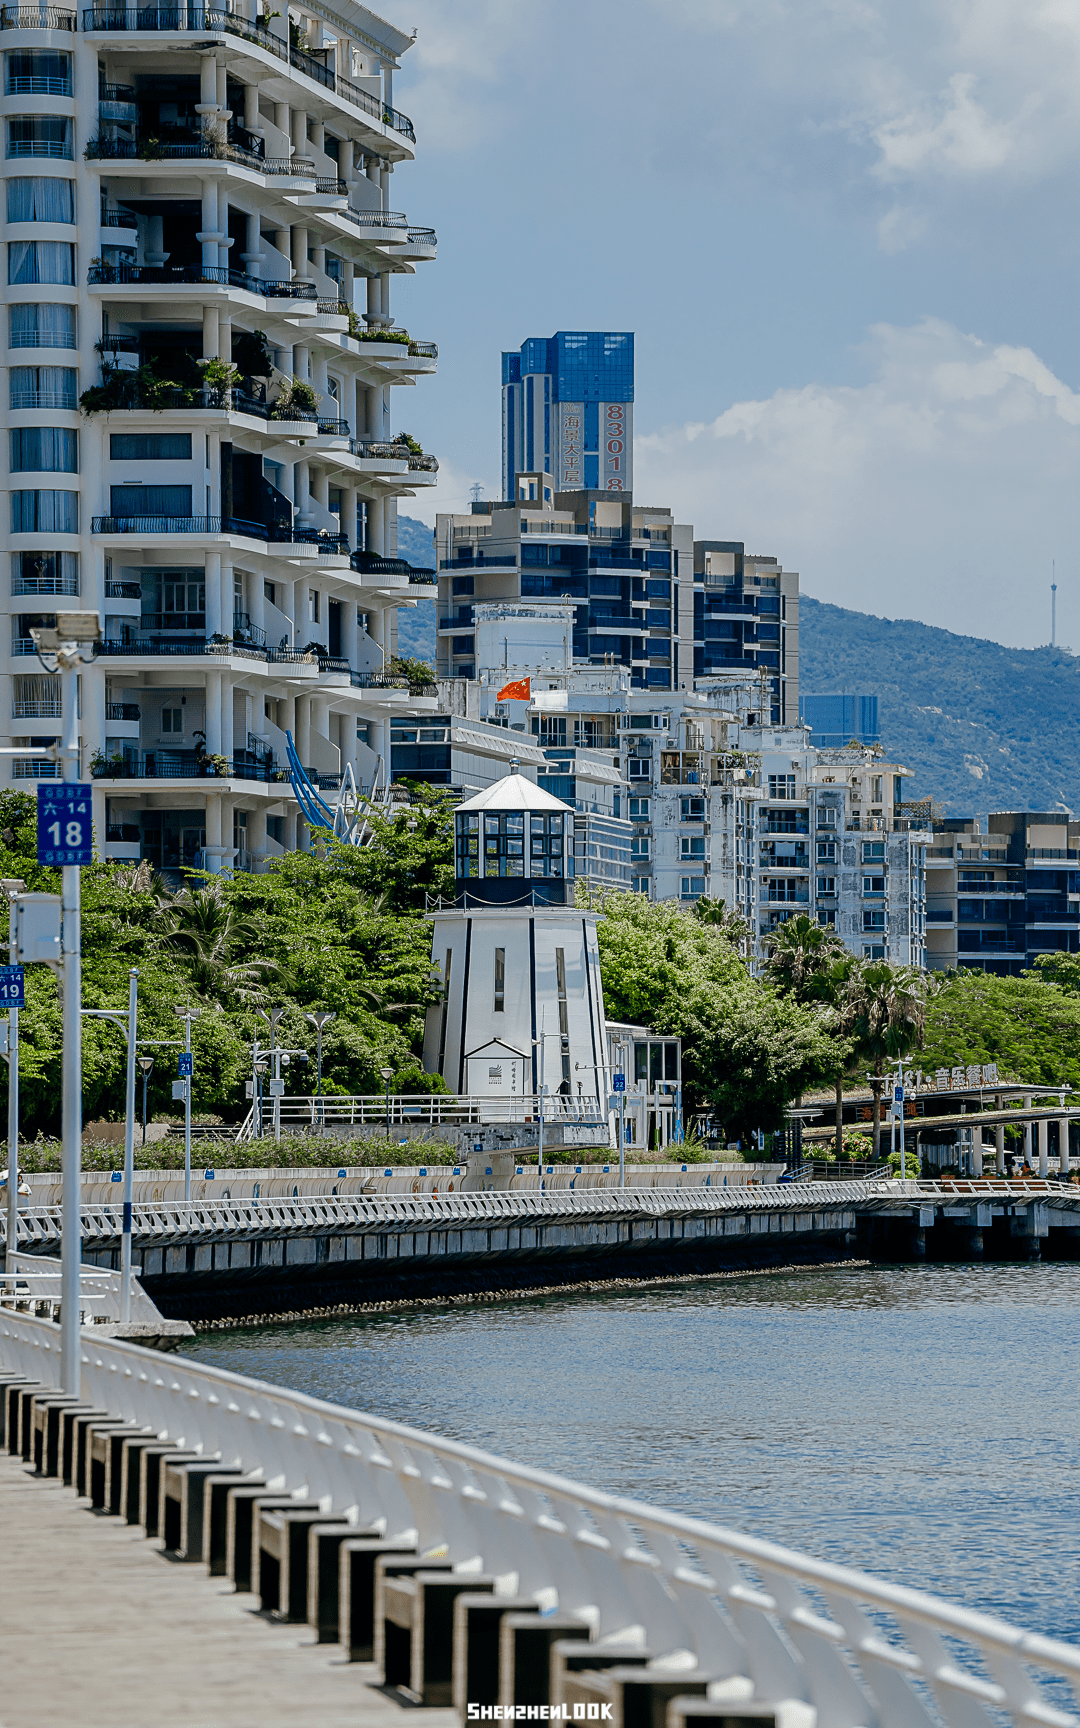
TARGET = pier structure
x,y
252,1257
455,1580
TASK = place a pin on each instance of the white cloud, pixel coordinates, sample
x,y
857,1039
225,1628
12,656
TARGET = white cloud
x,y
941,489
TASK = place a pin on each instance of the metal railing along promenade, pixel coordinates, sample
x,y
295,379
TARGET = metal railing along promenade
x,y
858,1649
165,1221
371,1110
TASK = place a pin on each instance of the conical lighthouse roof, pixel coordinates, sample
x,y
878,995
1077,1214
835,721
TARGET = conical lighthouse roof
x,y
515,792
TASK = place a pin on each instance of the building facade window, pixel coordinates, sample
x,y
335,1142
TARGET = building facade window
x,y
150,446
40,199
44,450
39,135
781,786
44,512
43,387
500,980
45,573
873,918
35,72
692,888
42,326
692,846
144,501
51,261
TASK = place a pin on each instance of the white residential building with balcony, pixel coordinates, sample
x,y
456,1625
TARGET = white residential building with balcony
x,y
189,189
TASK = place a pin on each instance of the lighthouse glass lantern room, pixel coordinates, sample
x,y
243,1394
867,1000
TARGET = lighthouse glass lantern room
x,y
523,1004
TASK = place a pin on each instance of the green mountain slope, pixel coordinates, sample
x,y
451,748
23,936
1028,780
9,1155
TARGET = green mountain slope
x,y
416,625
981,726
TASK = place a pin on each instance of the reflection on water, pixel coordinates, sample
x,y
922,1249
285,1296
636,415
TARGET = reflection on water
x,y
920,1421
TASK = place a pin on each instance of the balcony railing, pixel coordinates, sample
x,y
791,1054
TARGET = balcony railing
x,y
158,275
378,219
204,19
331,187
374,564
334,308
44,399
156,525
40,708
179,765
333,428
424,350
36,18
31,84
423,237
122,711
40,147
45,585
123,590
119,219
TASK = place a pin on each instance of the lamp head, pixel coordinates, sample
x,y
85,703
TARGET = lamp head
x,y
145,1063
387,1073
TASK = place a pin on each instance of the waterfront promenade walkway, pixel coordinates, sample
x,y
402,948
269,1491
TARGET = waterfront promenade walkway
x,y
99,1630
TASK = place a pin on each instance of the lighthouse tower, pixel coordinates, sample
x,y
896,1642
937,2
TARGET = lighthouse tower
x,y
519,963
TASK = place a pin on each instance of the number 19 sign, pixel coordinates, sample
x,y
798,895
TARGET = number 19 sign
x,y
65,823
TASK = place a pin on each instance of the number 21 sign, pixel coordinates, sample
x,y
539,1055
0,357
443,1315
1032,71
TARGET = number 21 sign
x,y
65,823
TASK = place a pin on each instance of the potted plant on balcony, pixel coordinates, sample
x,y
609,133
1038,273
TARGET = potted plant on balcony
x,y
220,378
102,765
209,762
299,401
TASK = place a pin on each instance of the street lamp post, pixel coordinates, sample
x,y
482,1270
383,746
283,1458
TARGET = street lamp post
x,y
322,1017
388,1075
273,1015
146,1068
11,888
129,1029
187,1015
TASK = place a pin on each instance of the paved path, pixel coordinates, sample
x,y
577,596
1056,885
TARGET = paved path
x,y
99,1630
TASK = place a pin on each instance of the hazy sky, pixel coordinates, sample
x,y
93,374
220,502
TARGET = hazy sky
x,y
844,234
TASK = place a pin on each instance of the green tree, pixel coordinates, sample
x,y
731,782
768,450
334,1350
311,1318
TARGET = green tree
x,y
410,854
747,1051
887,1005
811,963
1029,1026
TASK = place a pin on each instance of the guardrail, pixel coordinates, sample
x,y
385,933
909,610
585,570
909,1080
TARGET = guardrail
x,y
856,1648
362,1213
405,1107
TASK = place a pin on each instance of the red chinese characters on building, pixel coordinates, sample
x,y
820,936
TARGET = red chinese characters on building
x,y
614,446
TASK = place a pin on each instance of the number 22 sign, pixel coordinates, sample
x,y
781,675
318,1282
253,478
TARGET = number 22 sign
x,y
65,823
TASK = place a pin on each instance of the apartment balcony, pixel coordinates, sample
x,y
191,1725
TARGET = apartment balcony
x,y
187,18
185,765
143,276
38,18
286,540
122,712
289,664
117,104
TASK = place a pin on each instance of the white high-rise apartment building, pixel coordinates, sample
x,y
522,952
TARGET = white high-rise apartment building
x,y
188,187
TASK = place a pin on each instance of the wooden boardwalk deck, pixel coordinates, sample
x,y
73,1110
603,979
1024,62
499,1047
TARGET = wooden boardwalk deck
x,y
99,1630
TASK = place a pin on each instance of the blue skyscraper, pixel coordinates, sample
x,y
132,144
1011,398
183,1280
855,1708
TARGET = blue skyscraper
x,y
568,411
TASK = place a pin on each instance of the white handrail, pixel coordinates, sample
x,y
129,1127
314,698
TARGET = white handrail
x,y
859,1649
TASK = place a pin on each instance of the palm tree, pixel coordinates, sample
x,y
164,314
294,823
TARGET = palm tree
x,y
204,926
808,961
800,951
888,1018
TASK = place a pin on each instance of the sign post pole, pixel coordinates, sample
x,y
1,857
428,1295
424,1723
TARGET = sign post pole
x,y
129,1146
11,987
618,1082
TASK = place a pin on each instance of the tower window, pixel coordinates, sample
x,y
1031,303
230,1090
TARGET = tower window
x,y
500,980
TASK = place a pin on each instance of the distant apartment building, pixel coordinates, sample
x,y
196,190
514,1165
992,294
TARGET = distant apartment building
x,y
746,622
837,719
618,562
997,899
568,414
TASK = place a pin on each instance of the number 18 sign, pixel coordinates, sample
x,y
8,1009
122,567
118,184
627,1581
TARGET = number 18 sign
x,y
65,823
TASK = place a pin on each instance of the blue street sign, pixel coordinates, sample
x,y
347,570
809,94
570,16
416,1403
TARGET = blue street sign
x,y
185,1064
618,1082
898,1094
65,823
116,1176
11,987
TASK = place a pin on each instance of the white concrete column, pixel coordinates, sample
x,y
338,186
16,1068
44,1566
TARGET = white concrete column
x,y
299,253
227,718
251,107
1027,1131
256,829
214,608
213,440
320,715
154,252
1064,1161
210,332
999,1143
251,257
302,732
374,300
225,334
208,83
257,602
298,130
213,713
301,494
1044,1148
377,526
221,91
213,830
350,633
977,1152
320,377
281,117
227,602
301,360
209,231
320,487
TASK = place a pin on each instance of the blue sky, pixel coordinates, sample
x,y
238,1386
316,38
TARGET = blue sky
x,y
845,236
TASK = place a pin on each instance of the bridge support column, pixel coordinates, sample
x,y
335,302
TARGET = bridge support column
x,y
1041,1132
999,1142
1064,1161
973,1243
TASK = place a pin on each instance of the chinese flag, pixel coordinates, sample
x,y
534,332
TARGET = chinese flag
x,y
516,692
